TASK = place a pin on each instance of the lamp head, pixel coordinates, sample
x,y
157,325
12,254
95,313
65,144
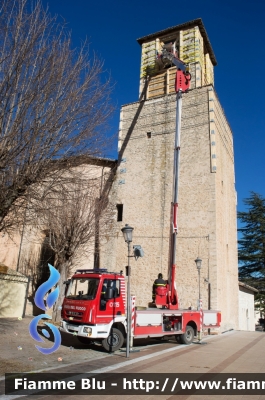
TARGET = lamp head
x,y
198,262
127,233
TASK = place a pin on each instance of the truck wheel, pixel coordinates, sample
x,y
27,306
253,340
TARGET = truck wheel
x,y
114,341
188,336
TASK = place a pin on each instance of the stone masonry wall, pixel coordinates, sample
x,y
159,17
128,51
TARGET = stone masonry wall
x,y
144,186
226,228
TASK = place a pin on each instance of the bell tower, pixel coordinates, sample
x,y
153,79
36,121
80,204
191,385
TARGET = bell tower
x,y
190,43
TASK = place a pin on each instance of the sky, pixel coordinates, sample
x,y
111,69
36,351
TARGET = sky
x,y
237,35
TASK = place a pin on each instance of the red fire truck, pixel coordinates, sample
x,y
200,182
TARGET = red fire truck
x,y
94,305
94,310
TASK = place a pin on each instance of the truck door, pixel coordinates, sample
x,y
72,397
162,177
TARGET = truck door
x,y
109,307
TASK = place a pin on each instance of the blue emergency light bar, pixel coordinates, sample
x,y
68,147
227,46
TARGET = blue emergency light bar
x,y
97,271
91,271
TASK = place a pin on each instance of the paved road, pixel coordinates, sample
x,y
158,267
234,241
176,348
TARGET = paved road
x,y
232,352
18,352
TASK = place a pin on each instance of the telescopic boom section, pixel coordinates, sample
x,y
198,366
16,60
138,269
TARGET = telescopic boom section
x,y
182,85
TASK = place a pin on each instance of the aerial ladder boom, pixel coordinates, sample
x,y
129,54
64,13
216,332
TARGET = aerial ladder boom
x,y
182,84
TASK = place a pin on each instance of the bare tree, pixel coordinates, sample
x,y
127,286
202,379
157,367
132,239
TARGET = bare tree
x,y
54,105
72,220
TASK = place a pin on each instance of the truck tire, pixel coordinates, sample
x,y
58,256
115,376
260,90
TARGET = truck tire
x,y
114,341
188,336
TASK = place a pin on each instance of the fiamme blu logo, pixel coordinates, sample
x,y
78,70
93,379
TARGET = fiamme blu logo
x,y
50,301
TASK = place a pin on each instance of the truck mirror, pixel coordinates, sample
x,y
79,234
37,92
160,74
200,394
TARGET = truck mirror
x,y
66,283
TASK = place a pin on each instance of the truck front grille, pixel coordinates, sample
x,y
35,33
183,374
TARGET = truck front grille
x,y
74,314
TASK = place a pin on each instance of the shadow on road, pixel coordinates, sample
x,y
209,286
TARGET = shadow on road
x,y
69,340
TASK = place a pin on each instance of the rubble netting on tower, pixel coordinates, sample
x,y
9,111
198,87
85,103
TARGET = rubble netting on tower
x,y
192,49
192,53
209,77
148,62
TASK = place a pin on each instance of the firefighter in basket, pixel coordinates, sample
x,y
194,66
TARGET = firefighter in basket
x,y
158,283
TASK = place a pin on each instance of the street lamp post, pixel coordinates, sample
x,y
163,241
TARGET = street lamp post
x,y
127,234
198,262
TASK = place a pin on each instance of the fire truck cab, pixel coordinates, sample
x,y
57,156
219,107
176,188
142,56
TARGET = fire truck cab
x,y
94,307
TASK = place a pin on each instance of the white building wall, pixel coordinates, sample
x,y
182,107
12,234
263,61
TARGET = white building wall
x,y
247,318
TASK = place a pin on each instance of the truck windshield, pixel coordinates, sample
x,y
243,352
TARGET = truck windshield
x,y
84,288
